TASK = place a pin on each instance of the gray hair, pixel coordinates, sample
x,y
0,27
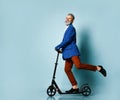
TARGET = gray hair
x,y
71,15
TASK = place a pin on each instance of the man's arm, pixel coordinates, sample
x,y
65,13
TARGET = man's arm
x,y
67,39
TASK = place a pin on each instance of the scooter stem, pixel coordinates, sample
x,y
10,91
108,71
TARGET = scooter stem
x,y
56,63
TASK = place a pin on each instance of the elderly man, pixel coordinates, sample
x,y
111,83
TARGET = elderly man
x,y
71,55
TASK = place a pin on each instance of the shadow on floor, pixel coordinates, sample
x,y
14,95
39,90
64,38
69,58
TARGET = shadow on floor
x,y
69,97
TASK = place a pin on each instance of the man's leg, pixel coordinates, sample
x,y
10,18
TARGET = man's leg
x,y
79,65
68,68
68,71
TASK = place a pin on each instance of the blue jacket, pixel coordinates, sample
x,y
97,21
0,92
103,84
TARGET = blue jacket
x,y
68,44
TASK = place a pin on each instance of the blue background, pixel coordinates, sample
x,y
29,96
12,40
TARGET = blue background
x,y
29,31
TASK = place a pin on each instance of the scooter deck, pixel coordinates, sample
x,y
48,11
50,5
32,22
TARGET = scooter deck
x,y
70,93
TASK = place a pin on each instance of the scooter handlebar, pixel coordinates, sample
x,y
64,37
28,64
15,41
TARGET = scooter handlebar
x,y
59,51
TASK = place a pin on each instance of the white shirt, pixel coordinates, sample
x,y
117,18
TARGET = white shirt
x,y
66,28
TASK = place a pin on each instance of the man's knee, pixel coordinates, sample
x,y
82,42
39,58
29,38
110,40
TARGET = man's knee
x,y
78,66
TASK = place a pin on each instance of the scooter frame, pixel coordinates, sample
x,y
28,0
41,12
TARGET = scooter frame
x,y
53,88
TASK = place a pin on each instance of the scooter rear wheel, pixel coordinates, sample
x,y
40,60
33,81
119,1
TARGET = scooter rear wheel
x,y
51,91
86,91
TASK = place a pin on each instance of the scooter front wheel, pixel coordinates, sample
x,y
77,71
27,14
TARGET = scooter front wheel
x,y
51,91
86,91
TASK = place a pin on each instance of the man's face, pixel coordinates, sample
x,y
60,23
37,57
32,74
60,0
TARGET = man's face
x,y
69,20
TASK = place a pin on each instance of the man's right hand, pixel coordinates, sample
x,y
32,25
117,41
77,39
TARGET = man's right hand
x,y
58,50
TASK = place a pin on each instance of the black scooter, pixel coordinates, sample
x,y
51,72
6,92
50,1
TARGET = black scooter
x,y
53,88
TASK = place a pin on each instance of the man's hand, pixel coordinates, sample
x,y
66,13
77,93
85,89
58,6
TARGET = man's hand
x,y
59,50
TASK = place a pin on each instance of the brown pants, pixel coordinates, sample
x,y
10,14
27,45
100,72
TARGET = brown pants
x,y
76,61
